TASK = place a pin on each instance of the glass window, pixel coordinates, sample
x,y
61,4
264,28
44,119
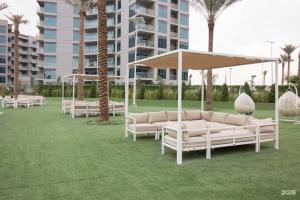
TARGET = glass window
x,y
2,59
131,56
163,11
76,23
75,62
2,39
75,10
2,70
2,79
184,5
50,47
50,74
50,60
184,33
183,45
131,42
2,49
75,36
184,20
50,34
162,42
185,76
50,7
162,73
75,48
2,29
162,27
164,1
50,21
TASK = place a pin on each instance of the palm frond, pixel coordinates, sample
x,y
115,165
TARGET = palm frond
x,y
83,5
289,49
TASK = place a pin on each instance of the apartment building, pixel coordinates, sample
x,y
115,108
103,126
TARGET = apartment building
x,y
28,57
136,29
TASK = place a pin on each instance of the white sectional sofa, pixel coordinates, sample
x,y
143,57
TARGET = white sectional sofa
x,y
202,129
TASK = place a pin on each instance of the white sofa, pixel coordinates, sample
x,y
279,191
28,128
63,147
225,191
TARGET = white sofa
x,y
202,129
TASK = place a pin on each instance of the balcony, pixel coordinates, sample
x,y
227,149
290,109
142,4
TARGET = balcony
x,y
174,20
174,6
145,43
91,24
146,27
145,75
110,9
90,38
174,34
144,11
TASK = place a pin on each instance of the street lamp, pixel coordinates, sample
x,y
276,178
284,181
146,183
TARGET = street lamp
x,y
271,45
136,21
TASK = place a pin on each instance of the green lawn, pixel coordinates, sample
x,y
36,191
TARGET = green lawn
x,y
46,155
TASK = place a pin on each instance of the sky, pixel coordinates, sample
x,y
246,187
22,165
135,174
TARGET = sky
x,y
242,29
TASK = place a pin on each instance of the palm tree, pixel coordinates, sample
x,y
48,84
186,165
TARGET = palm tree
x,y
288,50
211,10
299,64
84,6
252,81
283,59
102,61
17,20
3,6
264,77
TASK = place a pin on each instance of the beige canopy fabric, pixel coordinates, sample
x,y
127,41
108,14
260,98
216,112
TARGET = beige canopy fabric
x,y
198,60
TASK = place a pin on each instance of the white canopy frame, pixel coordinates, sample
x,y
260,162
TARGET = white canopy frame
x,y
188,59
86,77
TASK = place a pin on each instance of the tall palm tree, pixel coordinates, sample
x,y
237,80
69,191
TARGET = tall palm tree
x,y
211,10
102,61
252,81
17,20
84,6
283,59
264,77
289,49
299,64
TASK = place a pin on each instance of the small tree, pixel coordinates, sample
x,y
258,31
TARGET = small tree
x,y
161,88
225,93
93,90
247,89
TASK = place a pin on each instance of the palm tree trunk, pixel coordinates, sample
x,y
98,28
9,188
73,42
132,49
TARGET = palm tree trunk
x,y
209,94
81,56
16,61
288,72
282,76
299,64
102,61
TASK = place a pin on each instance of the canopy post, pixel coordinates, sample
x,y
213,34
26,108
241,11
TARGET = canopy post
x,y
134,87
62,93
73,98
179,131
276,145
202,90
126,98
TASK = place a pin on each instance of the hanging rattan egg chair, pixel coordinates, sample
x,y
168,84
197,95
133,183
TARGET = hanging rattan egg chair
x,y
244,103
289,102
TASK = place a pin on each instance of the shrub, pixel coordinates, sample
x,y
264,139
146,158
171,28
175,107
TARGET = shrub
x,y
93,91
170,94
247,89
224,93
161,89
271,94
141,91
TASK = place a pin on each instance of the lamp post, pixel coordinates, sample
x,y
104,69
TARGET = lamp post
x,y
136,21
271,45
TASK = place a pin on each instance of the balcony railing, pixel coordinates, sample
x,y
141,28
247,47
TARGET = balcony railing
x,y
145,43
174,20
142,26
144,74
174,34
143,10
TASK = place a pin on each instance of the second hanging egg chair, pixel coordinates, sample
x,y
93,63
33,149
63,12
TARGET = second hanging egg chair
x,y
244,104
289,102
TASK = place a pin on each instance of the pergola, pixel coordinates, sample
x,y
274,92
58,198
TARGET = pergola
x,y
86,77
197,60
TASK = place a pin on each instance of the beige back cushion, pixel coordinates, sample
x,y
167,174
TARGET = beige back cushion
x,y
140,118
157,117
172,116
264,129
238,120
219,117
193,115
206,115
193,128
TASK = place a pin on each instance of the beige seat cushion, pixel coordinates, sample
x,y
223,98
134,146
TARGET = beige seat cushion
x,y
143,127
157,117
173,116
217,127
192,127
160,124
193,115
206,115
139,117
238,120
263,129
219,117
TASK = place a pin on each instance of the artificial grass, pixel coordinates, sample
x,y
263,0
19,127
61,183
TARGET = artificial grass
x,y
46,155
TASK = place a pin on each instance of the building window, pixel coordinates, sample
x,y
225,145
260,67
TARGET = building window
x,y
2,70
164,1
2,60
119,32
50,74
118,46
2,79
119,5
184,5
50,7
50,60
184,33
75,48
184,20
76,36
75,62
131,56
118,72
162,26
131,42
50,34
162,73
76,23
3,29
162,42
2,39
118,60
50,47
2,50
50,21
163,11
183,45
119,18
185,76
75,10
